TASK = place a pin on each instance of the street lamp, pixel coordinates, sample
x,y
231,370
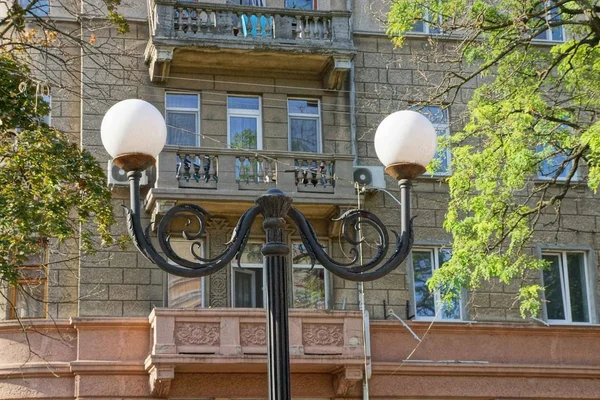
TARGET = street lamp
x,y
134,133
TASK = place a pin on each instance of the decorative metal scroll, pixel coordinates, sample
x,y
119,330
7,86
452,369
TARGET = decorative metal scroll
x,y
352,221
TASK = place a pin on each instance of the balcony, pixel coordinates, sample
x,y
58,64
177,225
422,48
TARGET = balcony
x,y
235,340
210,36
221,179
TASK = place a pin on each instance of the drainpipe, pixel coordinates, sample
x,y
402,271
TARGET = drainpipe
x,y
352,94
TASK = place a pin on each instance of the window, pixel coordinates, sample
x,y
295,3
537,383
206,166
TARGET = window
x,y
428,305
555,164
183,119
247,282
302,4
244,122
41,8
553,33
304,121
438,116
244,129
566,287
310,286
186,292
425,25
28,297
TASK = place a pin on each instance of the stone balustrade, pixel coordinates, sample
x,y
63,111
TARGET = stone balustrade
x,y
191,20
208,169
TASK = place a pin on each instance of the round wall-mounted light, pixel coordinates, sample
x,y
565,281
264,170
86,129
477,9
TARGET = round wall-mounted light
x,y
405,143
133,132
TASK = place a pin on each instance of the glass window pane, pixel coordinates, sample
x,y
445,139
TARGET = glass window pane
x,y
577,288
437,115
550,166
242,103
252,254
442,154
178,100
449,311
300,255
243,288
40,9
30,300
553,289
185,292
309,288
303,107
304,134
181,129
419,27
302,4
422,270
243,132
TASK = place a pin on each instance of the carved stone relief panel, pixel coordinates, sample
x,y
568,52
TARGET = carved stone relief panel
x,y
323,335
199,334
253,334
219,233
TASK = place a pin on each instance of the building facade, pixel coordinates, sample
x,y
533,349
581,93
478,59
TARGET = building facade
x,y
285,94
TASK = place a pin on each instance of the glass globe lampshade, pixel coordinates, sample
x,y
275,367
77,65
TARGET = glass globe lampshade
x,y
133,132
405,142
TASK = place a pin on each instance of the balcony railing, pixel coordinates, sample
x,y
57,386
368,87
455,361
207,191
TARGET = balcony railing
x,y
175,19
181,30
226,170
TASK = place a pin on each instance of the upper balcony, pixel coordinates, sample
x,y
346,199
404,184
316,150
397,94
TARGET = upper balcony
x,y
211,36
221,179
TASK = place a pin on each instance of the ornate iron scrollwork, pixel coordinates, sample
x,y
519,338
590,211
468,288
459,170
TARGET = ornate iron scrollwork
x,y
352,220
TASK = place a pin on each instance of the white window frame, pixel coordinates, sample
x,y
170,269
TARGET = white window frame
x,y
564,284
326,281
235,268
576,176
440,127
185,110
239,112
316,117
548,32
434,252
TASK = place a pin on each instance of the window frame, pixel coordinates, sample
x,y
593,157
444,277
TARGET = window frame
x,y
43,268
427,25
439,126
565,291
185,110
239,112
326,278
548,33
317,117
434,251
235,268
539,176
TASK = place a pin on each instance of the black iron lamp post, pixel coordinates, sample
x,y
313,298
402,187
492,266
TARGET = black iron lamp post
x,y
134,132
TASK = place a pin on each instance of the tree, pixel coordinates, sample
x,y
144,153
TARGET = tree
x,y
535,112
48,186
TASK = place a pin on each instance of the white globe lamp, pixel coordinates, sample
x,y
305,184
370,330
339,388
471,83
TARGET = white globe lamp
x,y
405,142
133,132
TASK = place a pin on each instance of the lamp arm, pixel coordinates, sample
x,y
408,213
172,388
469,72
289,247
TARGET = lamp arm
x,y
374,268
183,267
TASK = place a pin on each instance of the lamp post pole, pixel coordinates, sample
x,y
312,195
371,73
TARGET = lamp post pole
x,y
133,132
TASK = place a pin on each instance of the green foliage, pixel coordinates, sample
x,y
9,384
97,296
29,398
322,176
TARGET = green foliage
x,y
539,100
48,186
